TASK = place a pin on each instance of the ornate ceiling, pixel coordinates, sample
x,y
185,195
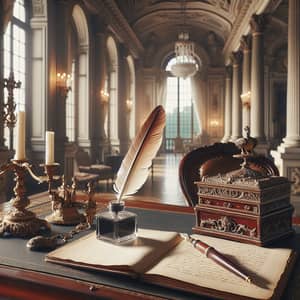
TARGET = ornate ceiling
x,y
212,24
166,18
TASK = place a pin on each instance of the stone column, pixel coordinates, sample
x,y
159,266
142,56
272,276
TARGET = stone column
x,y
257,114
228,108
287,156
246,91
100,142
292,138
63,25
123,96
236,58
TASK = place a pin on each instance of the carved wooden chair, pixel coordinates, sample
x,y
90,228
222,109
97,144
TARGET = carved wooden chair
x,y
215,159
85,166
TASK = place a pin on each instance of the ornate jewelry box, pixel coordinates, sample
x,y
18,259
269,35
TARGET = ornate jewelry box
x,y
245,206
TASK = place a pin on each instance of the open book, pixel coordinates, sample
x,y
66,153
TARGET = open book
x,y
166,259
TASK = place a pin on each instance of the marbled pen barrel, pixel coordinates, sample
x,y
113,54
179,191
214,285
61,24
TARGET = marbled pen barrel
x,y
219,258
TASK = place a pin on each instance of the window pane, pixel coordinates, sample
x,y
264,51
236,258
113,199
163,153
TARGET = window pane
x,y
7,51
171,108
70,109
15,58
181,119
19,10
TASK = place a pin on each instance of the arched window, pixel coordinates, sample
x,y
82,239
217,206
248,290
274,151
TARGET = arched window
x,y
181,119
15,46
81,78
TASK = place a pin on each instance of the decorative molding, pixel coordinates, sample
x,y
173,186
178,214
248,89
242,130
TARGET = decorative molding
x,y
246,43
120,26
228,193
241,25
265,189
38,8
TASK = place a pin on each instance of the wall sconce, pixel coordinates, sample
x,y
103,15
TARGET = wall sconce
x,y
104,97
246,99
63,82
129,105
214,123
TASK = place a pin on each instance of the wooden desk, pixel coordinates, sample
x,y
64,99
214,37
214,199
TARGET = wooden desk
x,y
25,275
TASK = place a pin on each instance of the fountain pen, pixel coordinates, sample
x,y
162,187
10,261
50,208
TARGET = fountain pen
x,y
217,257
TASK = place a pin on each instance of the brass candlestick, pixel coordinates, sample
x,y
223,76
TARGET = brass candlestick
x,y
41,243
20,222
64,210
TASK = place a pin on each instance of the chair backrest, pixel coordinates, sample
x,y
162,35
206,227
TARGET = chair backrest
x,y
213,160
114,161
82,158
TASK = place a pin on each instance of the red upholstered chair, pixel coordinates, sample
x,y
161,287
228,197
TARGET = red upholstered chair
x,y
212,160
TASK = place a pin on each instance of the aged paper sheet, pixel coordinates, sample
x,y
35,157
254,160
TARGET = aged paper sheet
x,y
139,255
156,255
264,265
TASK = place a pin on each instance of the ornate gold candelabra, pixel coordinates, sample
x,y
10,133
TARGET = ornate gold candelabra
x,y
20,222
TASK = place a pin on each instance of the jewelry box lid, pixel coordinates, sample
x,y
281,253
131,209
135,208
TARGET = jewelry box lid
x,y
244,178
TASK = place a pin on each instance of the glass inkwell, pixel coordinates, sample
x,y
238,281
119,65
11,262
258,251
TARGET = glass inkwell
x,y
116,225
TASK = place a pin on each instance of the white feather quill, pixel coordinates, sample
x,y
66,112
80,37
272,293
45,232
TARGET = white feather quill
x,y
135,166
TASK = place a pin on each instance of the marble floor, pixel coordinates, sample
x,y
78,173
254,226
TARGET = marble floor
x,y
162,184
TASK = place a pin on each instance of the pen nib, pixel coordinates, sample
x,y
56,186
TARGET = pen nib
x,y
186,236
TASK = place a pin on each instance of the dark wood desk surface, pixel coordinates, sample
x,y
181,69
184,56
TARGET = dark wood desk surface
x,y
25,275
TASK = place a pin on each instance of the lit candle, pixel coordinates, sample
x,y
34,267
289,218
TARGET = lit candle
x,y
49,153
20,146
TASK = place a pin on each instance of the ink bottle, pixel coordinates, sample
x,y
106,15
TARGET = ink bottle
x,y
116,225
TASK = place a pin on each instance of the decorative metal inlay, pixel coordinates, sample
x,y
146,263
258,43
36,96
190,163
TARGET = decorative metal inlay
x,y
229,193
227,224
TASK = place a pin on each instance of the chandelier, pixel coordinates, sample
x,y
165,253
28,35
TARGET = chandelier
x,y
185,64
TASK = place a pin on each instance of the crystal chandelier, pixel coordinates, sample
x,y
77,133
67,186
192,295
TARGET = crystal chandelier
x,y
185,64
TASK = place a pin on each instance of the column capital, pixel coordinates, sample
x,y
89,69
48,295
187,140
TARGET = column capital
x,y
228,72
236,58
245,43
258,23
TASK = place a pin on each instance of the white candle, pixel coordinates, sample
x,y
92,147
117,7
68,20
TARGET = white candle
x,y
49,153
20,146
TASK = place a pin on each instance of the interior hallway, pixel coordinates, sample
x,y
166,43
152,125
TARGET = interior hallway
x,y
165,187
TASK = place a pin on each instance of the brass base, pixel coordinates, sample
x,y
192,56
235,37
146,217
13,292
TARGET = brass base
x,y
23,224
65,216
